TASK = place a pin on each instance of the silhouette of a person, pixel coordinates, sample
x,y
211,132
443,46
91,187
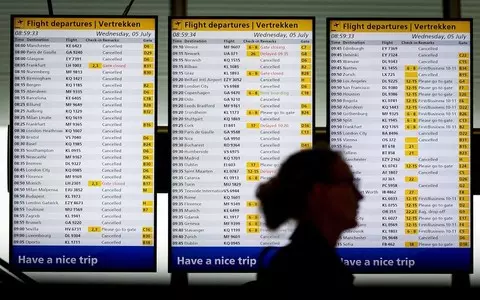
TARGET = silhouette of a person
x,y
317,189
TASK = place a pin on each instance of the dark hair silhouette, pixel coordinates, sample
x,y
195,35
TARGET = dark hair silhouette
x,y
284,196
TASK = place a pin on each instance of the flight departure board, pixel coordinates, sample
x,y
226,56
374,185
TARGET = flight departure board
x,y
241,101
400,111
83,125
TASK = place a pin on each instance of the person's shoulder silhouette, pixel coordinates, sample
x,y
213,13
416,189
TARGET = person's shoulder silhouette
x,y
315,188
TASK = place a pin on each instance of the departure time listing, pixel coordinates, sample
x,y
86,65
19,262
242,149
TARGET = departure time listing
x,y
400,113
83,143
241,102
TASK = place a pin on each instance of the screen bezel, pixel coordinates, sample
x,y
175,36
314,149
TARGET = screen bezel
x,y
11,141
170,20
327,90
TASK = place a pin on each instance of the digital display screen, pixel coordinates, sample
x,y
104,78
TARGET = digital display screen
x,y
400,111
241,101
83,126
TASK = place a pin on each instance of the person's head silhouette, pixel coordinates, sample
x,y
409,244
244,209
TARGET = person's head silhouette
x,y
312,186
